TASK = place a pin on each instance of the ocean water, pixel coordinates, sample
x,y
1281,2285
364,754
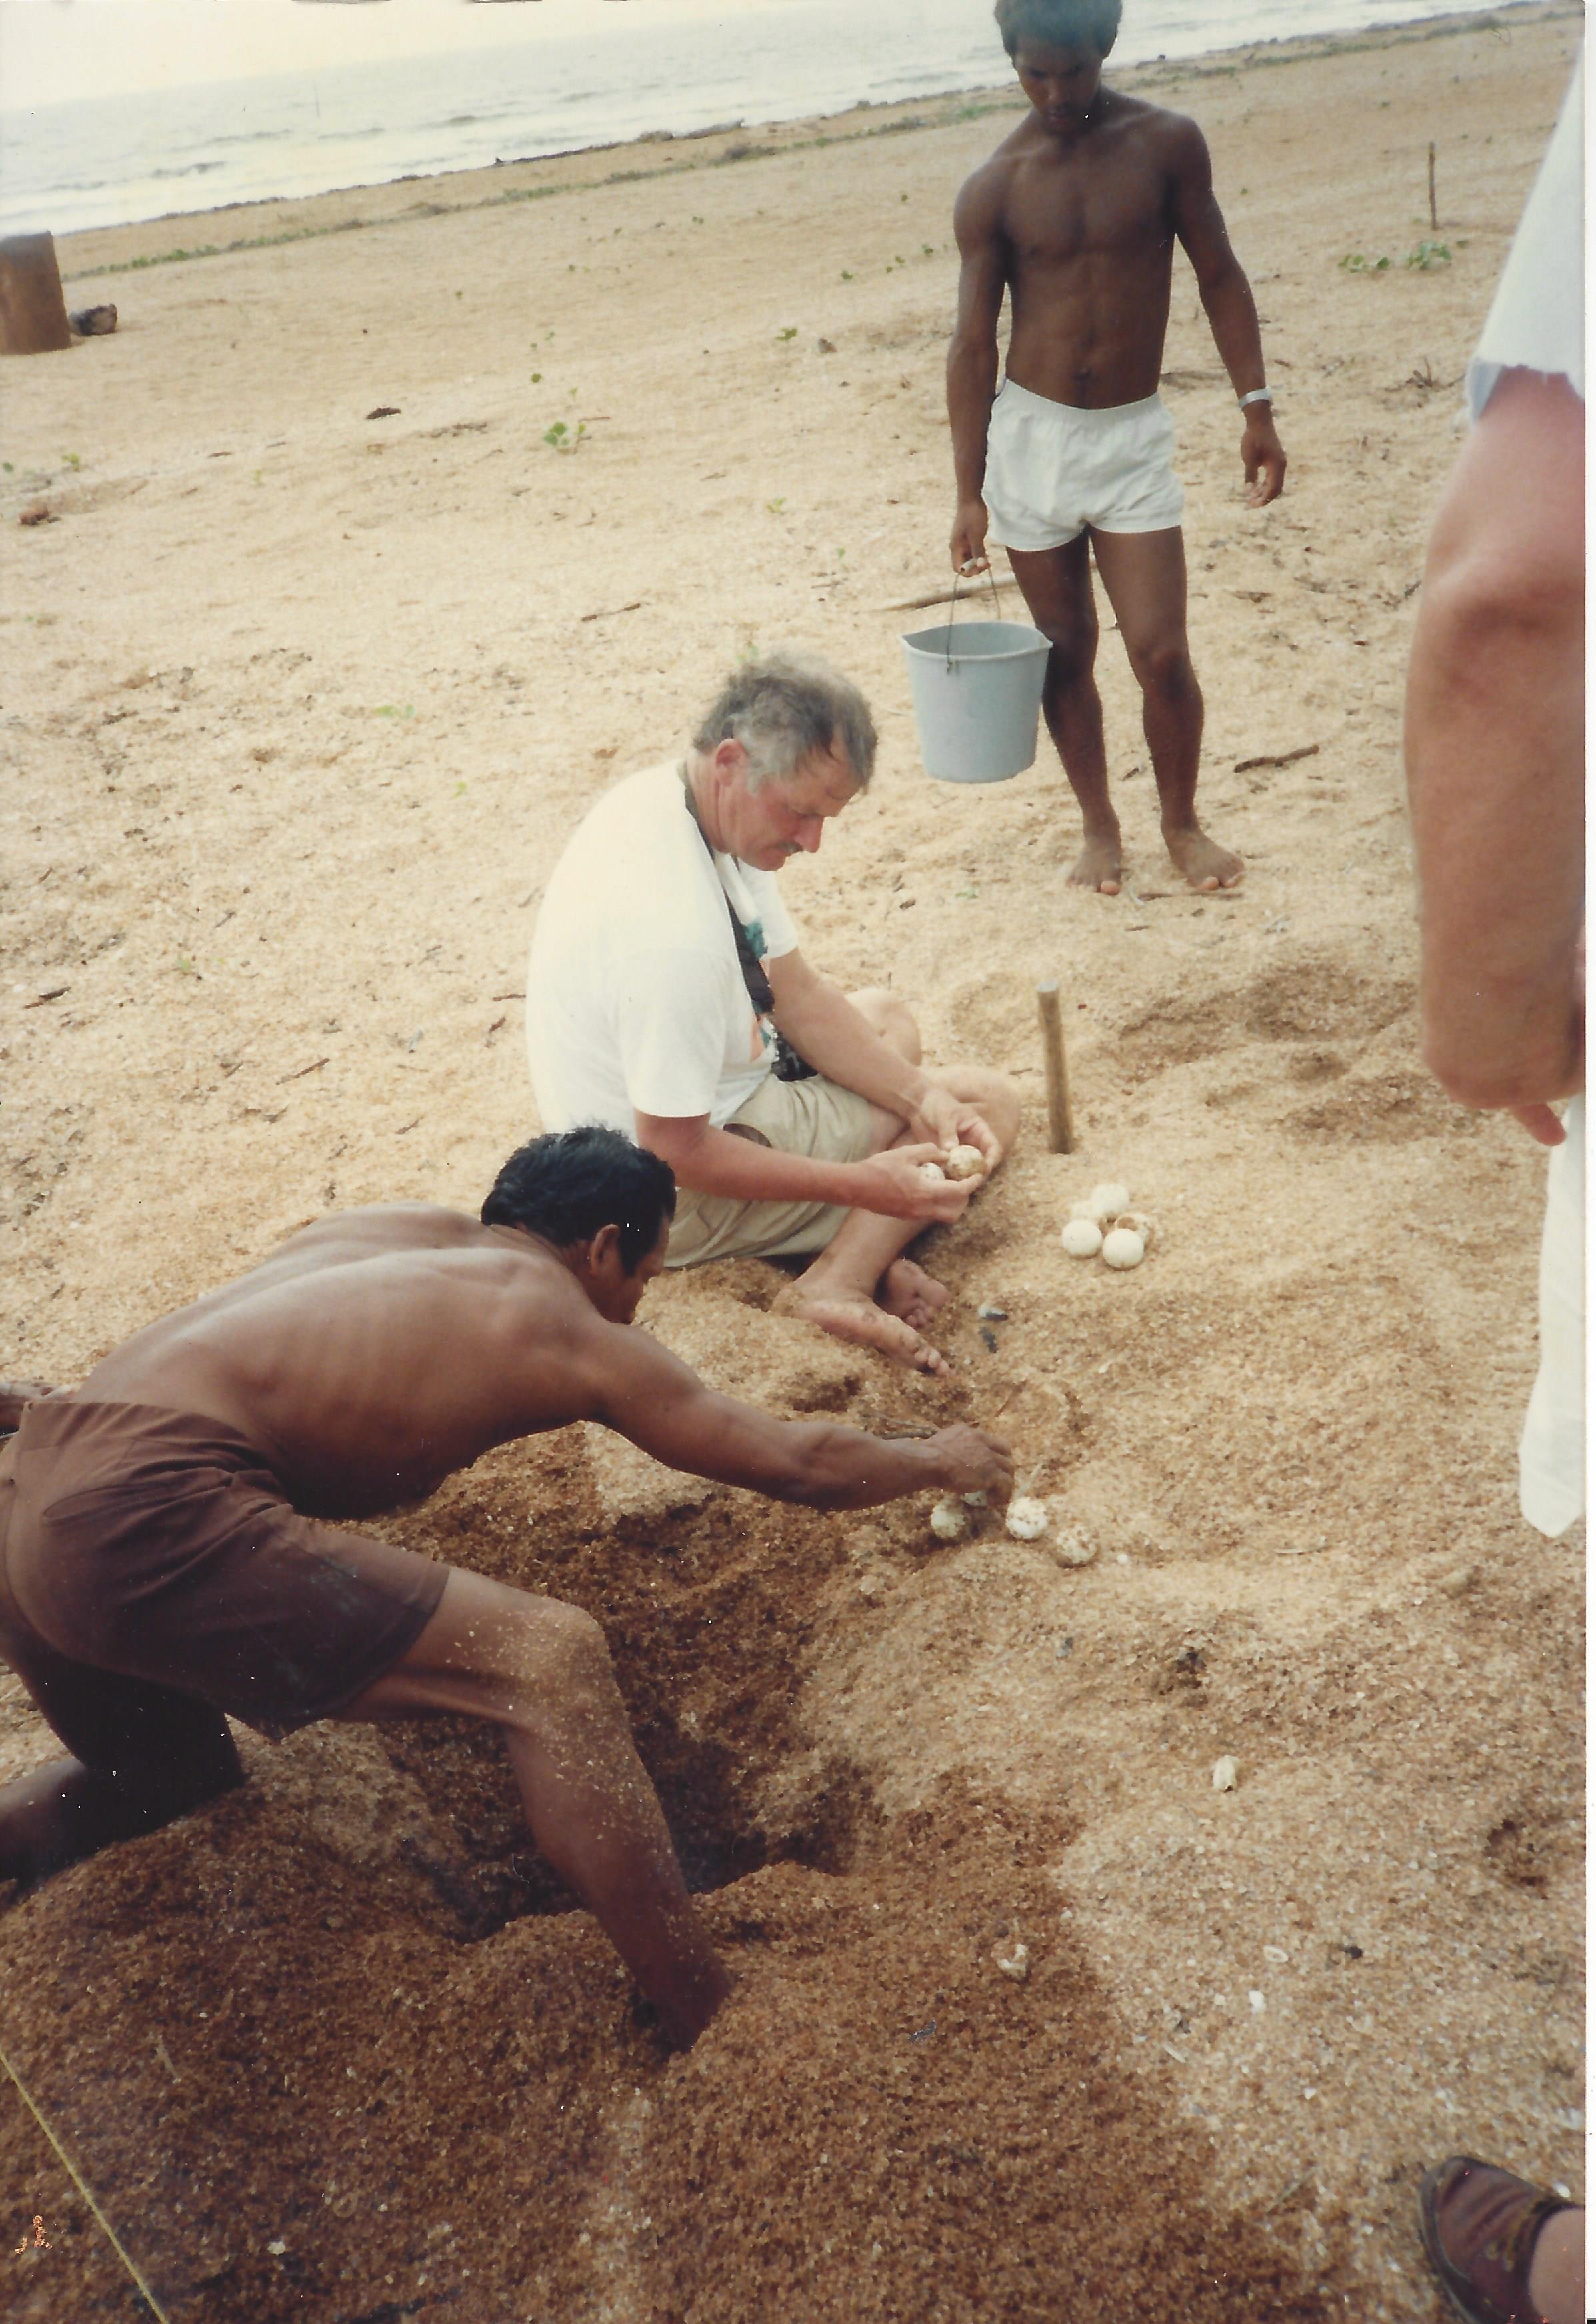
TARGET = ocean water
x,y
107,161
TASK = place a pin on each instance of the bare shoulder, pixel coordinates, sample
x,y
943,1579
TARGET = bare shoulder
x,y
978,208
385,1226
1173,139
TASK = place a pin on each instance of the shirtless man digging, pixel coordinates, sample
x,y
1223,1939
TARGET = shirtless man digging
x,y
165,1558
1076,214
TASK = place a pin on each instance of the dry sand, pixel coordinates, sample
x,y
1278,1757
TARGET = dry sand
x,y
301,705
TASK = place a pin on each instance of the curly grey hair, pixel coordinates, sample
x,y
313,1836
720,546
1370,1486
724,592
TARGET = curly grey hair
x,y
788,707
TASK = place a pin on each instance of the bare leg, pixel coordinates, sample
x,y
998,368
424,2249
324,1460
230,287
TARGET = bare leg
x,y
540,1669
1557,2268
144,1756
1144,574
860,1288
1056,585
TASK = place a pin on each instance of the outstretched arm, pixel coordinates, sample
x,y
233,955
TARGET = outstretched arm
x,y
972,357
645,1393
1495,752
1228,303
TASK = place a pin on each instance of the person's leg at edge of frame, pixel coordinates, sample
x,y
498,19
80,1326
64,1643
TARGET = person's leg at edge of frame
x,y
1056,587
540,1669
860,1287
141,1756
1144,576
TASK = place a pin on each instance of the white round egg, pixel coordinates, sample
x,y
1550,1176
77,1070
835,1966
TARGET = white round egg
x,y
1026,1520
1109,1199
965,1162
1082,1238
1121,1248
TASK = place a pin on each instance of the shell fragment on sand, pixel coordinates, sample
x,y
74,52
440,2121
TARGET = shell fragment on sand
x,y
1121,1248
1225,1772
1138,1223
1016,1964
1072,1547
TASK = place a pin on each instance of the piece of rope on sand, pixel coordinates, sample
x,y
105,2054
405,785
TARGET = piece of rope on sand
x,y
69,2167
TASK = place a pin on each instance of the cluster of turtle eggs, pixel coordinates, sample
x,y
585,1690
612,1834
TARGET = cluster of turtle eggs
x,y
958,1515
1104,1225
962,1162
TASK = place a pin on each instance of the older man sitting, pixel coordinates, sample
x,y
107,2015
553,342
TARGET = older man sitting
x,y
666,998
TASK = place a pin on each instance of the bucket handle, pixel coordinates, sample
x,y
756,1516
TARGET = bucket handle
x,y
953,603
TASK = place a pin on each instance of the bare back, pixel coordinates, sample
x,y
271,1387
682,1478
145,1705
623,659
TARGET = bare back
x,y
1081,232
374,1353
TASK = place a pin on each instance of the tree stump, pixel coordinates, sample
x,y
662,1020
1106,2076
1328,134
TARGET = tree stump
x,y
32,311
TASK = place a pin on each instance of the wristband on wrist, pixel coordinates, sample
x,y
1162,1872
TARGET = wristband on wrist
x,y
1256,395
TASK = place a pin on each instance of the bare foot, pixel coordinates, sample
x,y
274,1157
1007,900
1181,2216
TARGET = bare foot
x,y
907,1291
1098,865
1204,862
851,1316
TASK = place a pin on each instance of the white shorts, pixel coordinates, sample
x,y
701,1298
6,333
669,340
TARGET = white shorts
x,y
1052,469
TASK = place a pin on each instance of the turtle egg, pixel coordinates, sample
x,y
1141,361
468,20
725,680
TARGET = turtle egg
x,y
966,1162
1120,1247
1082,1238
1109,1199
932,1174
948,1521
1028,1520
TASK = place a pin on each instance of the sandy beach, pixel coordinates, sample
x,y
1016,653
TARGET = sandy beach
x,y
304,693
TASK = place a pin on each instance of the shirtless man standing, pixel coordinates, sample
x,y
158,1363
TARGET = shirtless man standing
x,y
1076,214
161,1563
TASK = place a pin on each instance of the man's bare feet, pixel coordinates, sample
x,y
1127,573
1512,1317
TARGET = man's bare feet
x,y
1098,864
854,1315
907,1291
1204,863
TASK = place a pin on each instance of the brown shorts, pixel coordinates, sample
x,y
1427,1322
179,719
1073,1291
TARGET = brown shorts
x,y
149,1565
814,1116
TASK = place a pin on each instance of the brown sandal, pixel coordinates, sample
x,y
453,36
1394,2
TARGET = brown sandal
x,y
1480,2226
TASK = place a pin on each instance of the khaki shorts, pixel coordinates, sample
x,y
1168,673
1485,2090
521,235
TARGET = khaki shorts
x,y
812,1117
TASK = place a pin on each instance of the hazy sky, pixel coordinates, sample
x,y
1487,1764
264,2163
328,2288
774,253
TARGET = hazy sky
x,y
53,48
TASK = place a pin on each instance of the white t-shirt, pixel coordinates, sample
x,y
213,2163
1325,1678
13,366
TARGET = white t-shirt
x,y
1537,319
636,1000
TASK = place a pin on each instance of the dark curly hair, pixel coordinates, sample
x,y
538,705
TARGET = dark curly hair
x,y
1059,23
569,1185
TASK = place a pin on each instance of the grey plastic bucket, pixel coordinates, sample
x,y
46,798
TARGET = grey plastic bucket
x,y
977,690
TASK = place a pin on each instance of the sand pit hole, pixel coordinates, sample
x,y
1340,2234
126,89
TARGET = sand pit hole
x,y
706,1612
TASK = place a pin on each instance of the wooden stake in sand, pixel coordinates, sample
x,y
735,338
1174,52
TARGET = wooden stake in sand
x,y
32,311
1061,1133
1432,218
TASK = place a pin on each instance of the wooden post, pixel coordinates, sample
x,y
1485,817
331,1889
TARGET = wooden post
x,y
1433,219
32,311
1061,1133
